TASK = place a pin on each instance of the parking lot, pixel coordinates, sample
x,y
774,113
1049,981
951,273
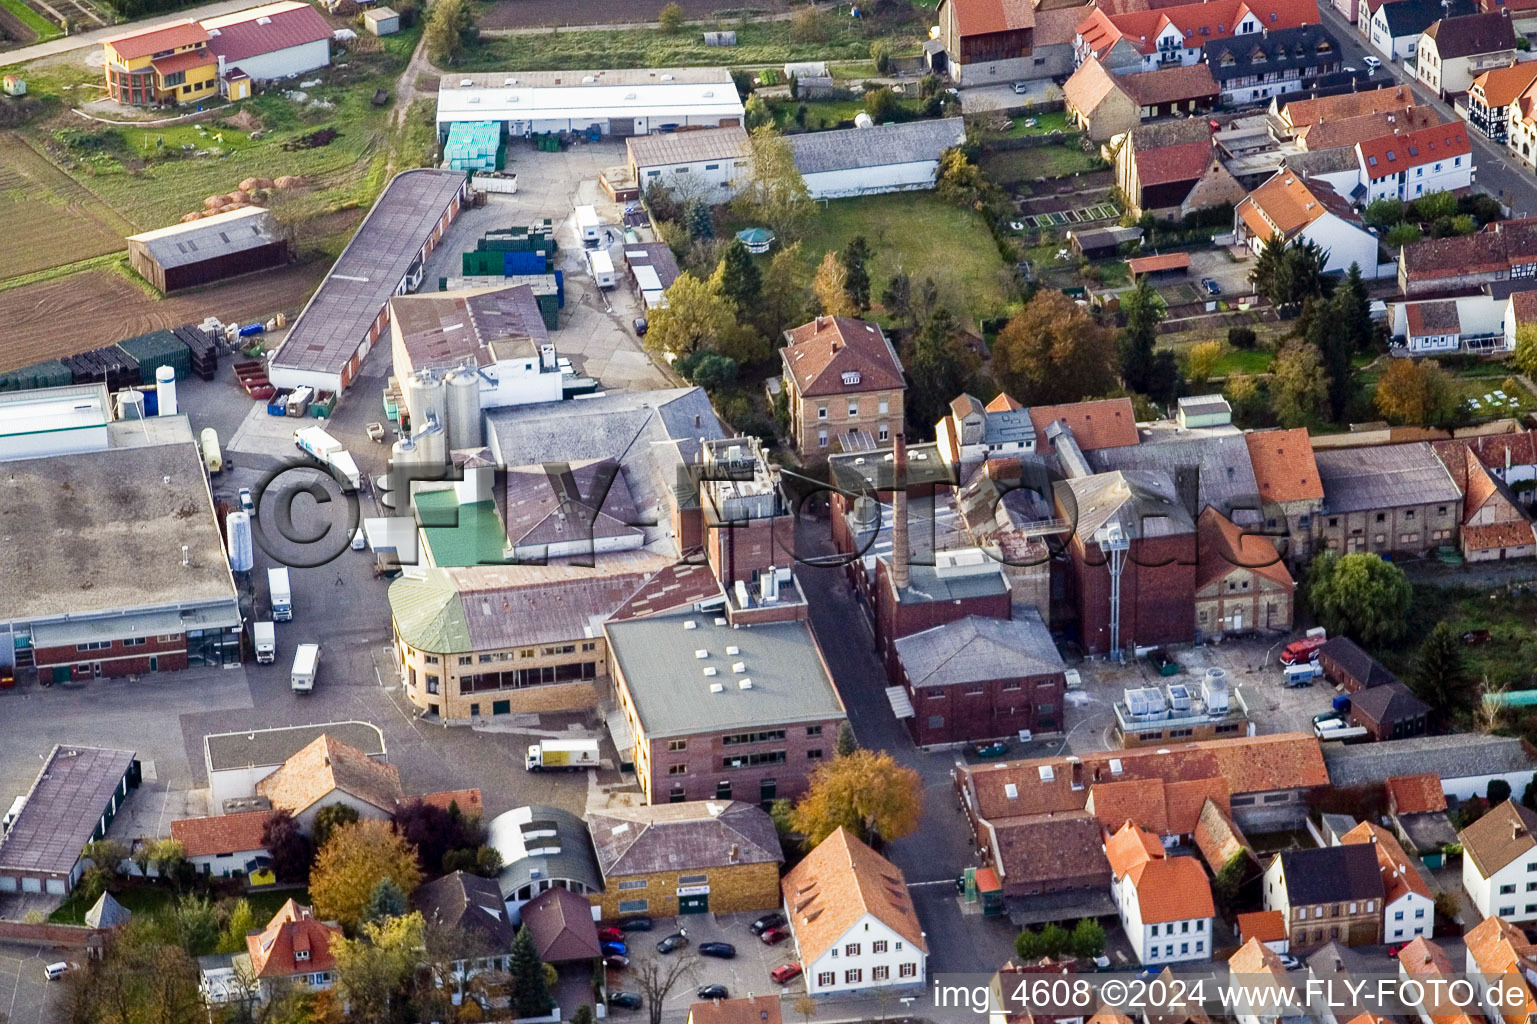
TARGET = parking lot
x,y
746,974
25,996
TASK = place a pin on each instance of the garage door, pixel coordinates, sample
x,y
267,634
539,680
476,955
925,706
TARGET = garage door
x,y
31,885
56,886
7,883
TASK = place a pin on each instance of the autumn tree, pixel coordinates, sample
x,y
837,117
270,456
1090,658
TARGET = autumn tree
x,y
866,792
1525,355
1359,595
697,316
141,977
831,287
242,921
1203,358
671,18
786,294
446,26
1299,384
1440,677
1053,352
328,819
438,833
374,969
1415,392
291,850
773,191
348,867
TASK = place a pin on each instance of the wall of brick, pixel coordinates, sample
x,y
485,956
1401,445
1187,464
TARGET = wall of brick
x,y
805,745
66,935
734,889
117,658
996,709
1157,600
894,620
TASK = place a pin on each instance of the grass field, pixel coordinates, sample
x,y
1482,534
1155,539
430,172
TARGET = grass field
x,y
1038,162
915,232
44,28
49,219
854,69
1056,121
822,114
766,42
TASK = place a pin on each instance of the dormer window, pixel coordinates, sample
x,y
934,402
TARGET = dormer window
x,y
850,378
301,954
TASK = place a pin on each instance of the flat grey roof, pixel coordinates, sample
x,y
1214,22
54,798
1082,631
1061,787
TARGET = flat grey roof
x,y
879,145
209,237
264,748
671,693
688,147
1383,476
1457,756
337,317
63,808
102,532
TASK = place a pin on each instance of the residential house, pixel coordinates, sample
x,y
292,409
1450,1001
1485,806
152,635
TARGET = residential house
x,y
707,164
974,432
1256,964
1289,118
749,1010
1097,104
1512,458
1453,51
292,951
1494,525
473,906
1344,973
1328,894
852,919
667,860
329,772
1164,902
1491,95
561,925
1179,34
981,678
1521,132
1501,963
1523,13
1170,810
1171,170
1408,909
1471,323
1407,166
1503,251
1291,493
987,41
1389,712
1348,132
1393,498
1266,926
1241,581
1294,208
1092,99
267,43
1417,809
1464,763
1424,962
164,65
1276,63
1499,862
901,157
844,385
1334,167
1347,666
1396,25
225,845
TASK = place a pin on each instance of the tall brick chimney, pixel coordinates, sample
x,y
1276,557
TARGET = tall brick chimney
x,y
899,552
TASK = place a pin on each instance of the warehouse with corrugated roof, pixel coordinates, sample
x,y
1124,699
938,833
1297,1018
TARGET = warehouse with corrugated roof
x,y
208,249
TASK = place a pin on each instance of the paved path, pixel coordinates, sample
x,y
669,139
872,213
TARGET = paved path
x,y
83,40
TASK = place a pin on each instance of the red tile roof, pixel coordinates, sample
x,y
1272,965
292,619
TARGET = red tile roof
x,y
1500,246
222,833
1416,794
184,61
158,40
265,29
1056,27
1222,547
1502,86
981,17
1346,132
325,766
1264,925
1398,876
1131,847
1524,304
292,943
1283,465
1287,203
1172,889
837,884
1106,423
469,801
1218,19
742,1010
1432,318
819,354
1346,105
1167,164
1156,264
1088,87
1390,154
1170,85
1004,403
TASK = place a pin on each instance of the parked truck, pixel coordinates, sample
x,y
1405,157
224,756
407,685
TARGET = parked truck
x,y
588,226
329,451
282,596
306,664
567,755
602,266
264,639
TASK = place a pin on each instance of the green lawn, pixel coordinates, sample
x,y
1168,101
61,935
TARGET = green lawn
x,y
915,232
44,28
1039,162
854,69
1056,121
267,901
824,114
1505,661
1237,360
764,42
140,899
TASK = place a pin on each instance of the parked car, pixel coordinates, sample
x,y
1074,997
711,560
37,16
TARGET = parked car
x,y
1212,288
713,992
785,972
675,941
610,935
1290,962
635,924
246,504
1349,70
624,1000
616,962
359,540
774,936
719,950
1020,88
641,327
614,949
1328,716
766,922
53,972
1372,63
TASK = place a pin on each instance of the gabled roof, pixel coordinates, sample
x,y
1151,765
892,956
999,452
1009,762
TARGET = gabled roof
x,y
1218,837
1385,476
1050,847
665,148
821,354
1453,756
158,39
1331,874
222,833
1398,875
743,1010
699,834
1346,132
1274,52
1198,23
1502,953
840,882
1089,85
560,923
1472,34
1169,164
1145,504
1502,86
1350,104
1131,847
1221,547
210,237
265,29
1392,702
1172,889
293,942
1524,304
328,765
1254,957
1287,203
1411,17
1390,154
1056,27
1104,423
1424,957
1355,662
978,649
1416,794
1500,836
1169,85
1166,808
1264,925
880,145
468,902
1499,246
1426,319
1283,465
981,17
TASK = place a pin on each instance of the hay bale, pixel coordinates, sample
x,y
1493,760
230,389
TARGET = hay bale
x,y
191,217
288,181
252,184
240,197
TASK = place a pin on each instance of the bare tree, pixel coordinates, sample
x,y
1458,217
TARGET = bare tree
x,y
657,978
806,1007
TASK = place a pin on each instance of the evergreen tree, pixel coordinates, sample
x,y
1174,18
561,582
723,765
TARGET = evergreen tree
x,y
1271,275
847,743
1054,940
1355,309
740,280
700,224
857,282
1440,676
385,901
531,991
1498,792
1326,331
1144,310
938,365
898,296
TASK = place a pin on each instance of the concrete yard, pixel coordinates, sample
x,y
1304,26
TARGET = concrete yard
x,y
26,997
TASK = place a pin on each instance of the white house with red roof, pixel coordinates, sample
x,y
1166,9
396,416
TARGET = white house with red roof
x,y
1178,35
1164,902
1414,164
1293,207
277,40
292,951
224,845
1408,910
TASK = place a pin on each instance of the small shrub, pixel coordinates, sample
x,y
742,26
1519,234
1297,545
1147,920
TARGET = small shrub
x,y
1242,338
809,26
671,18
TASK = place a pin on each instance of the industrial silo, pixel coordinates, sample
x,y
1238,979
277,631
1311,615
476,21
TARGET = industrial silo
x,y
425,398
463,409
165,389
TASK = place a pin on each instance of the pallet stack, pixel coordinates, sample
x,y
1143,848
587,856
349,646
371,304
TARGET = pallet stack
x,y
204,348
109,365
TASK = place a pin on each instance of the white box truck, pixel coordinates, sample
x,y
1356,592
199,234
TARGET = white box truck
x,y
588,226
602,266
562,755
329,451
264,639
281,595
306,663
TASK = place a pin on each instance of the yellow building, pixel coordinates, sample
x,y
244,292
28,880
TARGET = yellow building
x,y
164,65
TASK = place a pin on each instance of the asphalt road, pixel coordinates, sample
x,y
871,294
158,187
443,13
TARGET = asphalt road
x,y
1498,173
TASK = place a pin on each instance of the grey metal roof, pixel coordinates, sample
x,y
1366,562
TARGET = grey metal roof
x,y
337,318
102,533
877,146
264,748
668,148
928,583
1206,471
1331,874
445,329
1007,426
64,807
978,650
1382,477
1457,756
464,901
673,697
1146,503
681,837
210,237
541,842
1204,405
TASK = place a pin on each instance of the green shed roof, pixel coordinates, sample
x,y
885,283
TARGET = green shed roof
x,y
428,613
